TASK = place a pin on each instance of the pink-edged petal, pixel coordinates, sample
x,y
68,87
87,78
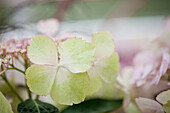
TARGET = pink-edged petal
x,y
104,45
141,74
144,58
148,105
163,68
163,97
42,50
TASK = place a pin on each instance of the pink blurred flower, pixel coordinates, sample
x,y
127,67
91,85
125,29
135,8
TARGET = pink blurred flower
x,y
48,27
150,67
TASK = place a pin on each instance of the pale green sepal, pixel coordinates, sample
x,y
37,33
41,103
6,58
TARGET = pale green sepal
x,y
108,68
76,55
42,50
95,81
70,88
40,78
104,45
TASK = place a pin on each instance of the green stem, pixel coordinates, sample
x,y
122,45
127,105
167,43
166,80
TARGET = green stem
x,y
37,97
28,91
10,86
15,68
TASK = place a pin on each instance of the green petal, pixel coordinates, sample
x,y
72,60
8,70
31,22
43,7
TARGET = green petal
x,y
104,45
163,97
166,107
95,81
5,107
76,54
40,78
108,68
42,50
70,88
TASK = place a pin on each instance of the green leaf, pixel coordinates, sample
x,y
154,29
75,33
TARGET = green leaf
x,y
42,50
5,107
108,68
70,88
94,106
36,106
40,78
76,55
166,107
104,45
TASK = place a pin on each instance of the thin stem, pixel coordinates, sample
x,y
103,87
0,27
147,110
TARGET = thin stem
x,y
10,86
37,97
15,68
28,91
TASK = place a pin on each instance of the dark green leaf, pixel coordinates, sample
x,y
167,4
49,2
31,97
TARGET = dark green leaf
x,y
94,106
36,106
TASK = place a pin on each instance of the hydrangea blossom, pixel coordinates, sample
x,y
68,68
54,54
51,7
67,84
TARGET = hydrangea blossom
x,y
106,62
150,66
60,70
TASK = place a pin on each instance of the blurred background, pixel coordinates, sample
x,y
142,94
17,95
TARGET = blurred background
x,y
134,24
125,19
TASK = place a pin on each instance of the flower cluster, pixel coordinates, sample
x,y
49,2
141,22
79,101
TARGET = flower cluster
x,y
12,49
71,69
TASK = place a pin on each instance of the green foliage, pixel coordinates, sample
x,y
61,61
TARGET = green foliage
x,y
4,105
94,106
36,106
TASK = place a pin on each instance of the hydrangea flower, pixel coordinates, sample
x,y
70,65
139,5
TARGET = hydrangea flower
x,y
152,106
131,90
150,67
106,62
60,71
12,49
